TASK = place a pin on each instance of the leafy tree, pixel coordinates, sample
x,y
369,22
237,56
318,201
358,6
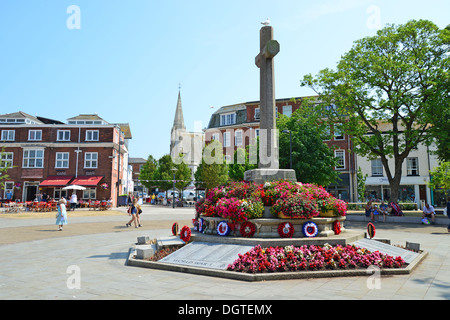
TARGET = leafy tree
x,y
212,171
147,173
361,183
3,169
312,159
163,173
240,164
440,178
387,90
182,175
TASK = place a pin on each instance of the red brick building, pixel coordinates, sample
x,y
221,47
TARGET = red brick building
x,y
45,155
237,126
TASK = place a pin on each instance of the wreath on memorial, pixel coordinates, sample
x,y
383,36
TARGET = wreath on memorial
x,y
201,225
248,229
223,229
286,230
185,234
310,229
175,229
337,227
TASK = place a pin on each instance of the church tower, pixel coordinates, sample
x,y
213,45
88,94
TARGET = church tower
x,y
178,127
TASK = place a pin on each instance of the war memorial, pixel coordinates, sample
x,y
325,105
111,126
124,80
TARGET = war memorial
x,y
271,227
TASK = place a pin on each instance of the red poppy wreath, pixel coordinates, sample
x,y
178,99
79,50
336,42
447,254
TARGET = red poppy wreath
x,y
185,234
337,227
286,230
248,229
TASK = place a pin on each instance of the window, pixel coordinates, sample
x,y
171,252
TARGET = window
x,y
8,135
412,166
92,135
287,110
90,159
227,119
35,135
62,160
226,139
257,114
9,190
377,167
33,158
63,135
59,192
238,138
338,134
215,136
90,193
6,160
340,155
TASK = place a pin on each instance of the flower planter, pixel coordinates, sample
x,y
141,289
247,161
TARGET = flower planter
x,y
283,216
327,213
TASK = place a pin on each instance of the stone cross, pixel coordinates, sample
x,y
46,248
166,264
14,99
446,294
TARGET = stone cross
x,y
269,48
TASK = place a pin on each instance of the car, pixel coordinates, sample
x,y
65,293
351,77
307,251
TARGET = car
x,y
189,195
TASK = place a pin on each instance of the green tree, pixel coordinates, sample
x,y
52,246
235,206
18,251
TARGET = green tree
x,y
312,159
361,184
183,175
240,164
147,173
4,167
440,178
387,90
212,171
163,173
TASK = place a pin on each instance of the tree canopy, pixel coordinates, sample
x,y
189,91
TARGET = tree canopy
x,y
391,93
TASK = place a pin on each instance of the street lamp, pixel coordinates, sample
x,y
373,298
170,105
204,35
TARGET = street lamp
x,y
173,189
290,146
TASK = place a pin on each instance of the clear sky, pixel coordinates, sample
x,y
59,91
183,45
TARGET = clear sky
x,y
125,59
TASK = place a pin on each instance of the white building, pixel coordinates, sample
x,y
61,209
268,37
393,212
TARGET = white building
x,y
415,176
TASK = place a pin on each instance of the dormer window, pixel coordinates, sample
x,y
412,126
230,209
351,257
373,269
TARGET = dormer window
x,y
227,119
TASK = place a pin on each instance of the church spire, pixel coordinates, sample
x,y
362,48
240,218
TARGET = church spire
x,y
178,122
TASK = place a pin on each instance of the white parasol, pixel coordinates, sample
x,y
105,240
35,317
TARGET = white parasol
x,y
74,187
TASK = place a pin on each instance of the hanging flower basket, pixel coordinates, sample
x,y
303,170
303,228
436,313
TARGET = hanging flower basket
x,y
185,234
223,229
286,230
247,229
310,229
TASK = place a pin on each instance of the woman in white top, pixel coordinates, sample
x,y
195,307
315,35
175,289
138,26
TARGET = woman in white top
x,y
73,201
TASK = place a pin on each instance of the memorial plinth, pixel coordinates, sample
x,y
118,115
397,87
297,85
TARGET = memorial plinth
x,y
266,175
268,228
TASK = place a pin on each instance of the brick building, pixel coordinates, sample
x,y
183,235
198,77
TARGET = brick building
x,y
237,126
45,155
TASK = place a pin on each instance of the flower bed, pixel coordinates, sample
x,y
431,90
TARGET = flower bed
x,y
240,201
290,258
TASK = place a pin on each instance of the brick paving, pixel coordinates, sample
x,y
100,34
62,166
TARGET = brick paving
x,y
38,262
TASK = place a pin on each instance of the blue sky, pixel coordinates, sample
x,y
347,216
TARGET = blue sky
x,y
127,59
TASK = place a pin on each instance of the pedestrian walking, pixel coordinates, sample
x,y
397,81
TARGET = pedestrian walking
x,y
138,213
61,216
133,212
73,201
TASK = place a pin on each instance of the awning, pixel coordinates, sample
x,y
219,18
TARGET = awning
x,y
87,181
56,181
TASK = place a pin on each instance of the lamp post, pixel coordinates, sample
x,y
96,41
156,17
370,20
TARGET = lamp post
x,y
290,146
173,189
